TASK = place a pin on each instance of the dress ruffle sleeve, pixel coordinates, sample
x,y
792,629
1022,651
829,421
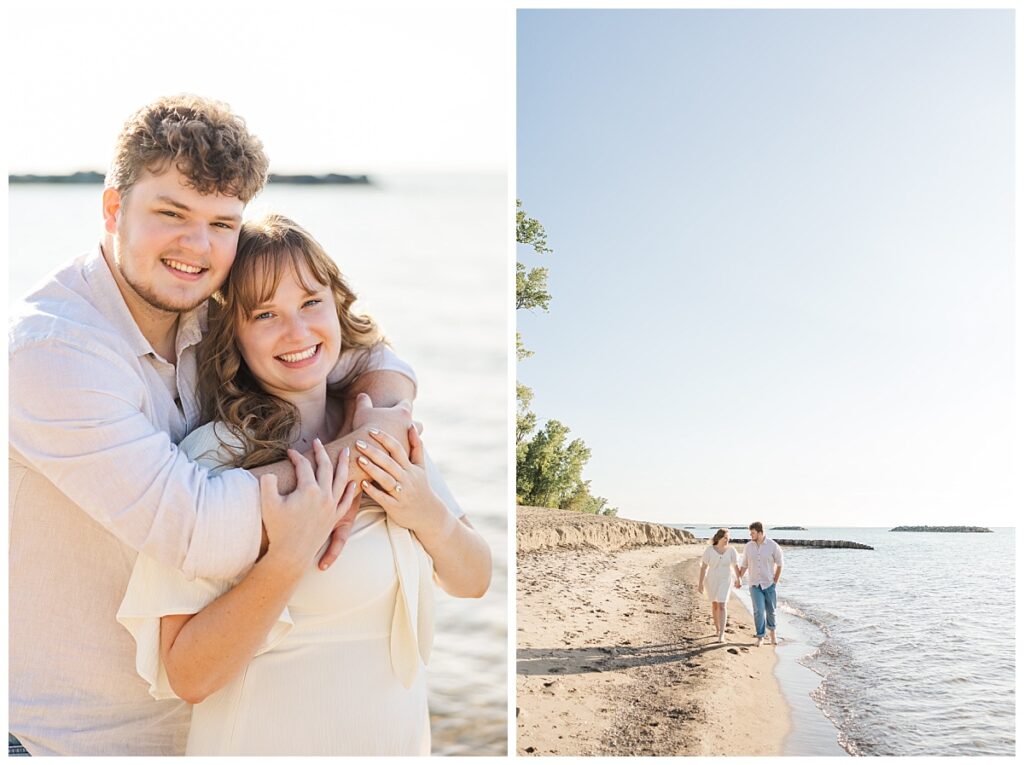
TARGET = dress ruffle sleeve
x,y
412,625
156,589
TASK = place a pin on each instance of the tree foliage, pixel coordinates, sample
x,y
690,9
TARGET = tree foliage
x,y
549,471
526,420
532,288
530,231
551,468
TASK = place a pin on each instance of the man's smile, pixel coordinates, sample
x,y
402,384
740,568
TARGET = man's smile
x,y
180,268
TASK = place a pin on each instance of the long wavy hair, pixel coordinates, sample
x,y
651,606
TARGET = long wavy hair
x,y
268,248
718,535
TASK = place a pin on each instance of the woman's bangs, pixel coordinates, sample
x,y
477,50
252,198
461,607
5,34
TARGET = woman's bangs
x,y
255,279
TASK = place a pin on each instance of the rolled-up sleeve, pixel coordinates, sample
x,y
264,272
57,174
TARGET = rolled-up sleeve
x,y
78,417
380,358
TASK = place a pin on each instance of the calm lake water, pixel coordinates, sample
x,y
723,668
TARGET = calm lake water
x,y
427,254
907,649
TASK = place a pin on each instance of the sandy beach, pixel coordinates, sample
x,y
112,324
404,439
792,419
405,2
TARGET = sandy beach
x,y
616,648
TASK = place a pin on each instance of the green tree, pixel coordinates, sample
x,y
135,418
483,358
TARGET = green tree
x,y
549,471
582,500
531,292
530,231
551,468
532,288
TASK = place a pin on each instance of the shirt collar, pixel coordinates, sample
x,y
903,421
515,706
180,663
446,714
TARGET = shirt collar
x,y
110,302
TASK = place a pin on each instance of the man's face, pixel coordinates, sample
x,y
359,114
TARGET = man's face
x,y
173,246
757,536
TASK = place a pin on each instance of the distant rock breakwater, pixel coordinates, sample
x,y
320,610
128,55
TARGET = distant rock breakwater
x,y
542,528
839,543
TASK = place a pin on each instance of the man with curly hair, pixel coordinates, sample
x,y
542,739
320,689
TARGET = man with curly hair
x,y
102,388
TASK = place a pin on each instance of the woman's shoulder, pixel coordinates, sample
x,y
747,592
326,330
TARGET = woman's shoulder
x,y
213,445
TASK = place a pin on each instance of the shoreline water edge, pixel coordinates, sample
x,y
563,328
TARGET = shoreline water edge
x,y
617,654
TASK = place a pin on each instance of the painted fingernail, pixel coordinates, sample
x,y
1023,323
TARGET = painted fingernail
x,y
345,452
361,444
362,460
318,442
365,484
375,431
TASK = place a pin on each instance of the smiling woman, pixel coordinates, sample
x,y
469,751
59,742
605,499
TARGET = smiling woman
x,y
278,326
352,642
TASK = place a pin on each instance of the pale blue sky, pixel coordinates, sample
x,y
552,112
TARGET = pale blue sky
x,y
783,267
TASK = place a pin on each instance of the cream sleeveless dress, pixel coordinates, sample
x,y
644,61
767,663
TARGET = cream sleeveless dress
x,y
719,575
342,670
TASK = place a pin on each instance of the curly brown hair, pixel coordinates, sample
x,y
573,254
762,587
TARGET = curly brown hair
x,y
718,535
203,139
229,392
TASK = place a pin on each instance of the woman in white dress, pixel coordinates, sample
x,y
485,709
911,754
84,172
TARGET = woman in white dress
x,y
290,659
719,567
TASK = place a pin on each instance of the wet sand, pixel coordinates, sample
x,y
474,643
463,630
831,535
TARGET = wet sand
x,y
617,655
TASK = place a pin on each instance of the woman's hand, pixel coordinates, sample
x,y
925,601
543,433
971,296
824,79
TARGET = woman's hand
x,y
298,524
400,483
462,560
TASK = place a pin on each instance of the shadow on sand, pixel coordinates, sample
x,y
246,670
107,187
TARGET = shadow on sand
x,y
577,661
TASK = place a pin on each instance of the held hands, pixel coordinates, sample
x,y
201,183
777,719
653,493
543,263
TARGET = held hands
x,y
737,584
400,483
363,416
298,524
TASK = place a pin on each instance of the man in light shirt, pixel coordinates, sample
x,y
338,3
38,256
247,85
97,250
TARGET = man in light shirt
x,y
762,558
102,359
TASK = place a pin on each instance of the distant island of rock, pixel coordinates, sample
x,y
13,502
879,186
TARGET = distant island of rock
x,y
949,529
788,528
90,176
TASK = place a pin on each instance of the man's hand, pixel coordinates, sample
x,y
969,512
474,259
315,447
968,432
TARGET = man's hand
x,y
386,388
393,420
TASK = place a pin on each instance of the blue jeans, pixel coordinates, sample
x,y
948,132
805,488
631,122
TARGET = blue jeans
x,y
763,600
14,747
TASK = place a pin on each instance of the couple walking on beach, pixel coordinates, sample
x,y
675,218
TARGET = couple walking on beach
x,y
762,562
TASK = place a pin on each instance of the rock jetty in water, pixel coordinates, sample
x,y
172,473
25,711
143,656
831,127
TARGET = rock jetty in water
x,y
946,529
840,543
788,528
543,528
